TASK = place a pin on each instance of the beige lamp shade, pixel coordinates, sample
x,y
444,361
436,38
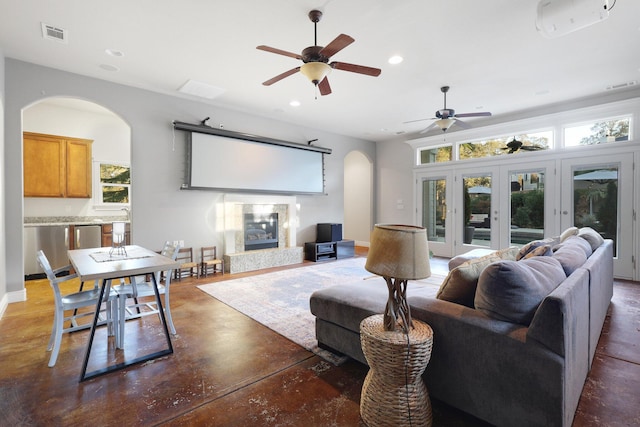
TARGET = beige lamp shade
x,y
315,71
399,251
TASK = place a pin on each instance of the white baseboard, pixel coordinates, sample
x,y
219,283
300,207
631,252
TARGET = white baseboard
x,y
10,297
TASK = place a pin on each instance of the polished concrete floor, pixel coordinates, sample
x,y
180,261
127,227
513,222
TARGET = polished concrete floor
x,y
228,370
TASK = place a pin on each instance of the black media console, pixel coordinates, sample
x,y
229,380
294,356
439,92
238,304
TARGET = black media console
x,y
324,251
329,244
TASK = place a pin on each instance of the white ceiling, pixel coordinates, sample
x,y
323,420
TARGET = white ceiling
x,y
488,51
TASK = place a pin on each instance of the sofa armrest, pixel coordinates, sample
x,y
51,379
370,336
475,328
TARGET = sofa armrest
x,y
488,368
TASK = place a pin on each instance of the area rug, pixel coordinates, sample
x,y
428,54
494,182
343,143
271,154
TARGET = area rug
x,y
280,300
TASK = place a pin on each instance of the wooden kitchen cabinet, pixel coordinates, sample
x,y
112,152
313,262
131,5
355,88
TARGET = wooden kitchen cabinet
x,y
56,166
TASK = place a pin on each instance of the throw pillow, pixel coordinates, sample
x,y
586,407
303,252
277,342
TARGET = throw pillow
x,y
539,251
577,242
532,245
460,284
592,236
512,291
571,231
571,257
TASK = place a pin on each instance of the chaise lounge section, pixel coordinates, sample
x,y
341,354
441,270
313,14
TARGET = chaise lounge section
x,y
502,361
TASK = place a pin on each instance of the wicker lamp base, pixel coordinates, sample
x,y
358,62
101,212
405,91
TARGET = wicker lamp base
x,y
394,392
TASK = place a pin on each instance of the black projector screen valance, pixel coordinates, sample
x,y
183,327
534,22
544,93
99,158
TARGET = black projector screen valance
x,y
231,161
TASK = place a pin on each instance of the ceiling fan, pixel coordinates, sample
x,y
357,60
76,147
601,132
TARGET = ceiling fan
x,y
316,65
447,117
515,145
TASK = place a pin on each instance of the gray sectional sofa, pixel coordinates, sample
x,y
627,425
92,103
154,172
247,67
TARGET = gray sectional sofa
x,y
519,353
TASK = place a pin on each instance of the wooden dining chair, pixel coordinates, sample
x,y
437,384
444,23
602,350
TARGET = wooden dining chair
x,y
209,261
73,302
187,265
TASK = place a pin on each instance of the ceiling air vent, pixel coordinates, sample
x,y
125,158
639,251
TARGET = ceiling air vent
x,y
621,85
54,33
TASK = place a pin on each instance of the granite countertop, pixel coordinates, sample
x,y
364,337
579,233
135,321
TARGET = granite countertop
x,y
36,221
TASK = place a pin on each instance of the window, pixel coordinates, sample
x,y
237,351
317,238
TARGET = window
x,y
599,132
114,183
498,146
435,155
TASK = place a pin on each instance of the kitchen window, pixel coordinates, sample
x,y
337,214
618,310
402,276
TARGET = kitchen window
x,y
113,184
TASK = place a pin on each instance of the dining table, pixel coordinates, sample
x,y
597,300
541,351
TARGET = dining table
x,y
105,265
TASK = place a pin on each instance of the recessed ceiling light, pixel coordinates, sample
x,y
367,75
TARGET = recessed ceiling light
x,y
113,52
396,59
295,103
108,67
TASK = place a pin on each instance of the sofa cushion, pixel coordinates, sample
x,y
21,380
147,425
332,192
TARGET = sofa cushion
x,y
512,291
571,257
592,236
460,284
534,244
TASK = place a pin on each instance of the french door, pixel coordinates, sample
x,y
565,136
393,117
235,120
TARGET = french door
x,y
435,211
598,193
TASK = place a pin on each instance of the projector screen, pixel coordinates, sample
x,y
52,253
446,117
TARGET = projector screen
x,y
236,164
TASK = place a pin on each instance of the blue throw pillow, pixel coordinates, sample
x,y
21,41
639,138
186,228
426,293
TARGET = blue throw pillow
x,y
512,290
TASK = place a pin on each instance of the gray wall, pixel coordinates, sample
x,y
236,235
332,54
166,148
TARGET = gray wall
x,y
160,210
3,244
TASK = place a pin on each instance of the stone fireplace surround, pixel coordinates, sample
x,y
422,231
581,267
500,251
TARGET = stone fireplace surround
x,y
236,259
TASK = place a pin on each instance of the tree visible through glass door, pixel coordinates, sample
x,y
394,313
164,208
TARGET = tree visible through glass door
x,y
527,206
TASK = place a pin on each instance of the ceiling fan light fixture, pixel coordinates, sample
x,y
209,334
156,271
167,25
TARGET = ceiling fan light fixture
x,y
315,71
445,124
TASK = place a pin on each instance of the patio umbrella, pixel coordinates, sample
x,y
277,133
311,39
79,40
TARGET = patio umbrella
x,y
597,175
479,189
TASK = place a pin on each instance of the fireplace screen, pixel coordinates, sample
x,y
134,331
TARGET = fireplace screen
x,y
260,231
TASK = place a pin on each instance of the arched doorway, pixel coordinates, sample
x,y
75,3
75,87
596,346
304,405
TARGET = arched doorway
x,y
75,118
358,191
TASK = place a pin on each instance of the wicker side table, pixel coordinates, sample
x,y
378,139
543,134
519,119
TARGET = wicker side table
x,y
394,392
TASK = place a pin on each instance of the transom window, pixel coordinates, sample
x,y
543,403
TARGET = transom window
x,y
598,132
435,155
499,146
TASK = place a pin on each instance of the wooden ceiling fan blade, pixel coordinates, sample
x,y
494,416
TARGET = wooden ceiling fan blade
x,y
279,51
324,87
479,114
360,69
281,76
336,45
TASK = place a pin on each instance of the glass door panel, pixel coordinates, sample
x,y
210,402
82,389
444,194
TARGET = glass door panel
x,y
434,211
595,201
476,205
598,194
527,208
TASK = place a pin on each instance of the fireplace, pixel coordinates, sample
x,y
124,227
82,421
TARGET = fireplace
x,y
260,231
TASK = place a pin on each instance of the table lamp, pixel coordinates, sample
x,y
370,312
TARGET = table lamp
x,y
398,253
